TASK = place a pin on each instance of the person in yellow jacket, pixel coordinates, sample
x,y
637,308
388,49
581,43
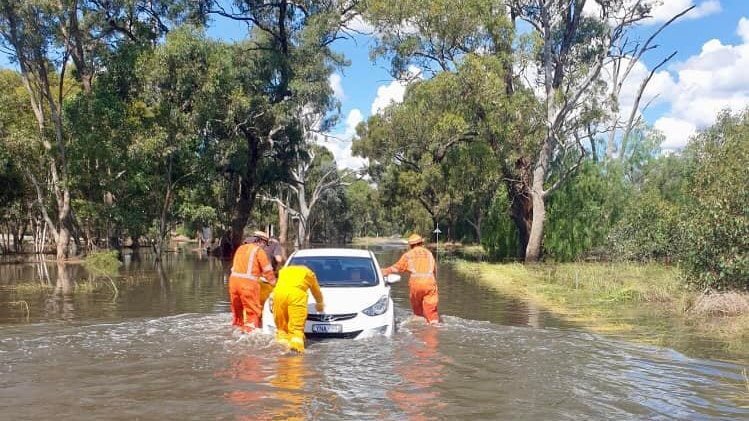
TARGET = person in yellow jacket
x,y
290,304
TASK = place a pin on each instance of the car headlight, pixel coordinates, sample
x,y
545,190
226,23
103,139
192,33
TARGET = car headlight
x,y
380,307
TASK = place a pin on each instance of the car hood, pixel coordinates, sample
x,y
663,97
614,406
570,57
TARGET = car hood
x,y
341,300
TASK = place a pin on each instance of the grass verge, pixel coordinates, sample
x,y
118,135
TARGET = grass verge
x,y
645,303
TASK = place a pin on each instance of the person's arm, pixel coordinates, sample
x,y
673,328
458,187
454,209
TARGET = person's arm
x,y
400,266
278,253
266,267
314,287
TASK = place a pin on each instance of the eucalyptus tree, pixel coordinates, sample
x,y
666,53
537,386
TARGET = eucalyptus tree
x,y
43,37
293,41
16,127
365,209
473,40
626,54
560,57
574,48
176,79
312,176
29,34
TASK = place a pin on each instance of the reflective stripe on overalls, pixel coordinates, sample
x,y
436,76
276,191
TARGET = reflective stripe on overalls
x,y
249,274
412,268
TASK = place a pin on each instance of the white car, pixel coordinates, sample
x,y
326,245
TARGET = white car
x,y
356,295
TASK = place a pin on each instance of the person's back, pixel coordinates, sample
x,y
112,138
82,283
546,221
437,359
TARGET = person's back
x,y
421,263
290,304
248,264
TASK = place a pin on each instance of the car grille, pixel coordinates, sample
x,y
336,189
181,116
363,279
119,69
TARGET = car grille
x,y
344,335
329,318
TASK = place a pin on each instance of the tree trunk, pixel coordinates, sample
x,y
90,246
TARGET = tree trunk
x,y
538,196
239,221
521,213
160,246
283,224
518,181
301,233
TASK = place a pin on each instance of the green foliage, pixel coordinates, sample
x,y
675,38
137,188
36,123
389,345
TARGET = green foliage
x,y
103,262
717,226
583,210
650,227
500,238
649,230
11,181
693,208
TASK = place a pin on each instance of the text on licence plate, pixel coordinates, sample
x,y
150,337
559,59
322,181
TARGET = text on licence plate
x,y
327,328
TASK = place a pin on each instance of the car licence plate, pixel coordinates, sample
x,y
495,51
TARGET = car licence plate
x,y
327,328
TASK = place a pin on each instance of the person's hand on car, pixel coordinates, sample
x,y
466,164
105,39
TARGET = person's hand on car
x,y
319,307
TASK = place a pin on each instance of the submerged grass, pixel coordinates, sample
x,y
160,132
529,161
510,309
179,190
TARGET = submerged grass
x,y
647,303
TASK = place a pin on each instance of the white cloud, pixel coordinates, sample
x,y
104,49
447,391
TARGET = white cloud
x,y
388,94
743,29
340,143
677,132
394,91
663,10
358,24
703,85
692,92
336,86
352,120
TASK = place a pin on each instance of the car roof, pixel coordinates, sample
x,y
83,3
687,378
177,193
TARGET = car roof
x,y
332,252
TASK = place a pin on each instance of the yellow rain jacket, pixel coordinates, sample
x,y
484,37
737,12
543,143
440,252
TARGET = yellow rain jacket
x,y
290,304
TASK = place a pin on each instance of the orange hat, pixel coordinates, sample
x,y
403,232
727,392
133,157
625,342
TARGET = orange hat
x,y
415,239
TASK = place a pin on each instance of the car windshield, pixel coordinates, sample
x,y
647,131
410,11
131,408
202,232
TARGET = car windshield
x,y
340,271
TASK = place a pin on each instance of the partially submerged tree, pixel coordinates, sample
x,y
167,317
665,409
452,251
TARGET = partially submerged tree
x,y
560,58
290,43
30,33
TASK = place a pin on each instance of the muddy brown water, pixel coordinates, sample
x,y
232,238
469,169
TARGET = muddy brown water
x,y
161,348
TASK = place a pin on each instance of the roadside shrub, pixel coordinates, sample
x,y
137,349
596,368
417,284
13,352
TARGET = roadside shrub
x,y
102,262
649,231
499,235
716,252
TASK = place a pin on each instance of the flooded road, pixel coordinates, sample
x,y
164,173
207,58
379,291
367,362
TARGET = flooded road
x,y
161,347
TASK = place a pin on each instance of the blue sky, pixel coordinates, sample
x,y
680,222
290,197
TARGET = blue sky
x,y
710,72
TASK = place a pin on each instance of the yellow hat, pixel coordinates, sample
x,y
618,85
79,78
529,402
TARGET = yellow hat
x,y
415,239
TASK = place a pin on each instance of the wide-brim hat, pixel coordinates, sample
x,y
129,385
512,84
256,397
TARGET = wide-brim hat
x,y
257,235
261,235
415,239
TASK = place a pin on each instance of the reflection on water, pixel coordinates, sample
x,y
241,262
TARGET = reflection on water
x,y
163,348
421,367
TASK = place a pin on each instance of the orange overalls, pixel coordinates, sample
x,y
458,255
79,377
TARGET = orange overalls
x,y
290,304
422,284
250,261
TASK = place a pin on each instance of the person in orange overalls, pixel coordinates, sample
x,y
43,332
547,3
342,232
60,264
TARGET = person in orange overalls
x,y
422,283
290,304
250,262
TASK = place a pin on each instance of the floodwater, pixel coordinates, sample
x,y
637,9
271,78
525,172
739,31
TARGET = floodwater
x,y
158,345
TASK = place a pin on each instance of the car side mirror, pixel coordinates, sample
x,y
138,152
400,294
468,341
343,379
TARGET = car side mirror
x,y
392,278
